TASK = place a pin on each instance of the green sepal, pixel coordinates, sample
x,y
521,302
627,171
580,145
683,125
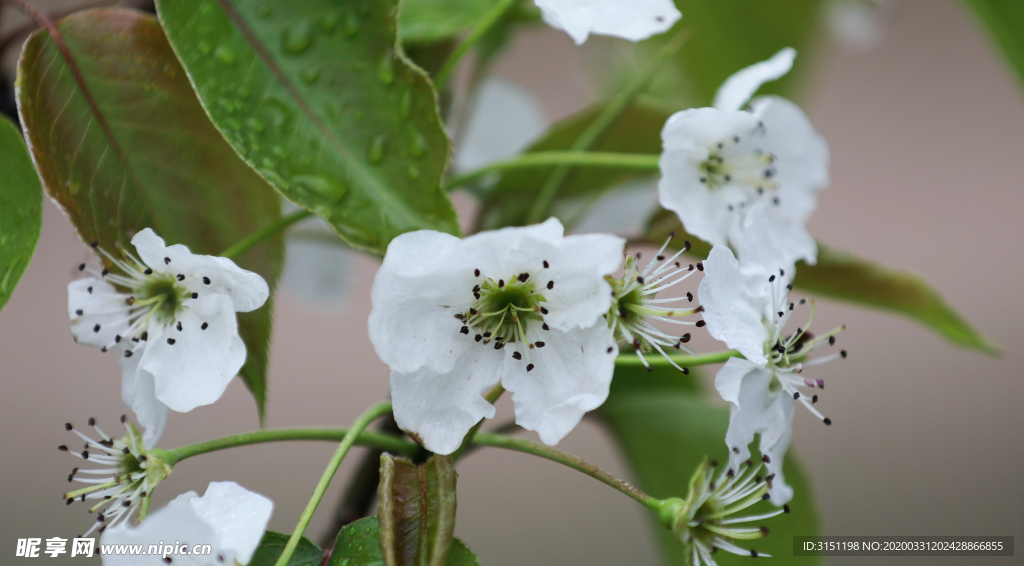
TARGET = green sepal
x,y
416,508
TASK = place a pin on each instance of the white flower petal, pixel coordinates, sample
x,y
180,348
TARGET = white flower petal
x,y
629,19
138,391
440,408
577,265
737,89
733,314
770,242
238,517
730,377
801,155
228,518
195,369
177,521
104,313
571,376
247,290
688,138
420,287
759,410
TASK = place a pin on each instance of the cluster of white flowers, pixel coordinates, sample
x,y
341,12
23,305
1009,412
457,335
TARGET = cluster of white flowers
x,y
528,309
170,314
541,314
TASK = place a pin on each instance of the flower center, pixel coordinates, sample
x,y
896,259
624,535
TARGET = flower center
x,y
163,297
505,310
734,163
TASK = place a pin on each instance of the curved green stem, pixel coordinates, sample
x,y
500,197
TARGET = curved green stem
x,y
369,439
548,158
264,233
601,124
548,453
682,360
358,426
481,28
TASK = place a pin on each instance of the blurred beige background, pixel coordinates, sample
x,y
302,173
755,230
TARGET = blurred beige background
x,y
927,139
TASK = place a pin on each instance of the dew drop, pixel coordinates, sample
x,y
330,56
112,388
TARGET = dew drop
x,y
275,179
413,172
386,69
309,75
255,124
205,47
329,23
406,107
296,40
376,152
225,55
419,144
351,24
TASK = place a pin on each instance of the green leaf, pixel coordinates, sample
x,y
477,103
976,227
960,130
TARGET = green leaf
x,y
122,144
318,97
270,548
844,276
358,545
637,130
21,207
666,435
1005,21
416,508
433,20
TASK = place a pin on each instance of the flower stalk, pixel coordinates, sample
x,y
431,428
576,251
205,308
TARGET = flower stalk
x,y
364,420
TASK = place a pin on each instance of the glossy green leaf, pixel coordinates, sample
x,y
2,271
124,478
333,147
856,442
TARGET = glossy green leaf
x,y
416,509
318,97
358,545
122,144
665,436
637,130
270,548
21,208
844,276
433,20
1005,21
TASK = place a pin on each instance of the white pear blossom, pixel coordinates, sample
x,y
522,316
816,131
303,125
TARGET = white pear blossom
x,y
171,316
706,521
124,480
228,518
748,309
520,306
629,19
719,162
636,303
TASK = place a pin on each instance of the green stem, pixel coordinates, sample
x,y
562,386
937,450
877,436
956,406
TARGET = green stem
x,y
358,426
546,452
368,438
682,360
264,233
481,28
548,158
601,124
491,397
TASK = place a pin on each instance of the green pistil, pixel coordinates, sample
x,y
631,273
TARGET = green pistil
x,y
506,309
165,296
